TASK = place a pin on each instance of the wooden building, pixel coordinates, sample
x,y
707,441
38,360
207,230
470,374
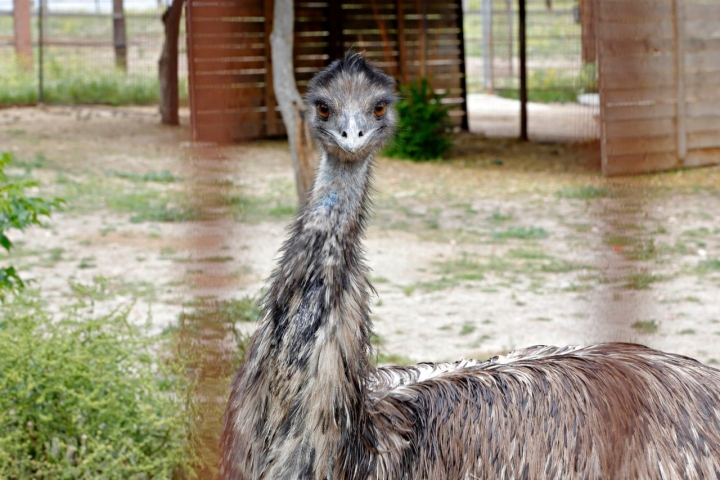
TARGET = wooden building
x,y
231,89
659,74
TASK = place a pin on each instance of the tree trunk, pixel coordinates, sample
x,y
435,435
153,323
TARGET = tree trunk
x,y
23,33
168,65
119,39
289,100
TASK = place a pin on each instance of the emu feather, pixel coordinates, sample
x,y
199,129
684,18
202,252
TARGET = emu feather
x,y
308,404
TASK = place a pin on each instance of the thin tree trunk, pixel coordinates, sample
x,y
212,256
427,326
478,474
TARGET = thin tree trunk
x,y
119,38
23,33
168,65
288,97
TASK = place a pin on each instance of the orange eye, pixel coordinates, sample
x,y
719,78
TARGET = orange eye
x,y
380,109
323,110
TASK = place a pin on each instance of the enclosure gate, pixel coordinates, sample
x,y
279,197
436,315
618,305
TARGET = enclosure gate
x,y
230,70
659,78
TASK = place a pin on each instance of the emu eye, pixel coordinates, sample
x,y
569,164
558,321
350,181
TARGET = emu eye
x,y
380,109
323,110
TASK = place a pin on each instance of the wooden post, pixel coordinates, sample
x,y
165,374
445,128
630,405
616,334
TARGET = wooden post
x,y
523,74
41,52
119,35
423,10
168,65
402,49
23,33
679,27
487,56
271,128
587,25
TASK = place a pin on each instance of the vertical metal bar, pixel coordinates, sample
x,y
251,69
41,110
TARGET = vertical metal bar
x,y
679,28
523,74
119,36
463,75
486,14
41,79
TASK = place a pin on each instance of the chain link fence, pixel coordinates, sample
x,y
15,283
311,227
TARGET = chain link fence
x,y
562,75
84,51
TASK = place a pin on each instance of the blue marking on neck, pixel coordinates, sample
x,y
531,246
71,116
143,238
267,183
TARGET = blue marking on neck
x,y
330,201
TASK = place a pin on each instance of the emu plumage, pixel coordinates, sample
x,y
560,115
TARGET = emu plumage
x,y
308,404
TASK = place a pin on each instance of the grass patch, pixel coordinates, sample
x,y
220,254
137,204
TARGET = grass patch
x,y
641,280
585,193
467,329
521,233
393,359
151,207
687,331
708,266
648,326
159,177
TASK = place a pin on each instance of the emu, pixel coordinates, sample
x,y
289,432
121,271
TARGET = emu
x,y
309,404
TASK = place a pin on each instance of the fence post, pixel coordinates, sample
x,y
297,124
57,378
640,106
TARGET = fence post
x,y
487,53
23,36
41,50
119,35
523,74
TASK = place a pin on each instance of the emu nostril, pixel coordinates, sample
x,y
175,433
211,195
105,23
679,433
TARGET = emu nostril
x,y
360,134
344,134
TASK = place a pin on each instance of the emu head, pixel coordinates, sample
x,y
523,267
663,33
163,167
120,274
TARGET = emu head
x,y
350,111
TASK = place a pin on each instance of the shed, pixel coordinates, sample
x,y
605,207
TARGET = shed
x,y
231,90
659,80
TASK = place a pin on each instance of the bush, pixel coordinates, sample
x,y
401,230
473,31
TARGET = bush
x,y
422,124
85,397
17,211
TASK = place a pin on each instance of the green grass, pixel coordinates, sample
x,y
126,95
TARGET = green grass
x,y
585,192
708,266
467,328
641,280
159,177
522,233
648,326
74,79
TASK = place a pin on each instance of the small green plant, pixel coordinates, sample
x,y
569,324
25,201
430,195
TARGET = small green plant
x,y
422,124
583,192
523,233
85,396
17,211
648,326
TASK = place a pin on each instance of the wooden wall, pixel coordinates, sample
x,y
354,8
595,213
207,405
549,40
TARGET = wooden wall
x,y
231,93
659,64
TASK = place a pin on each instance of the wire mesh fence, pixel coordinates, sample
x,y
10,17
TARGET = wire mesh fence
x,y
84,51
561,74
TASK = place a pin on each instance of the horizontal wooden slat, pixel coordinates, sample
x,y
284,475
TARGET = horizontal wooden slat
x,y
650,46
640,128
629,96
701,158
650,78
226,26
228,9
634,112
703,109
704,140
704,124
629,146
635,31
635,64
702,12
623,11
642,163
704,28
708,61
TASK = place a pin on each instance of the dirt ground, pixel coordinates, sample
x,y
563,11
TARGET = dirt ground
x,y
505,245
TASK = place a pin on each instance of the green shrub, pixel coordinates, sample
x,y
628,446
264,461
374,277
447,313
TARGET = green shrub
x,y
84,397
17,211
422,124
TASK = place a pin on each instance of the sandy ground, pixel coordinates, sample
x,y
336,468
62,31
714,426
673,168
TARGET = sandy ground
x,y
506,245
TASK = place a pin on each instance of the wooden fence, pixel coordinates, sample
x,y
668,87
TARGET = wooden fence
x,y
659,84
231,94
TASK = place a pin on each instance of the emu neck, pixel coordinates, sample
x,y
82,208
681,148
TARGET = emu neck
x,y
317,309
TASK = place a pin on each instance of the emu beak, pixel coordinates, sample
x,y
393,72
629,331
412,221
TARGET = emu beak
x,y
351,135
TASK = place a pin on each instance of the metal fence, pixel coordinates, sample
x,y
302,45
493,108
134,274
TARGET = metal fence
x,y
562,88
83,51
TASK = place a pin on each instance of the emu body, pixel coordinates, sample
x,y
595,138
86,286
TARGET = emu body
x,y
308,404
